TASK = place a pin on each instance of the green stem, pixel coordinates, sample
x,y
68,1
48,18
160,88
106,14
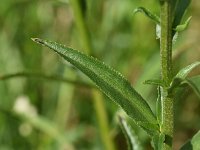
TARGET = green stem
x,y
97,97
166,72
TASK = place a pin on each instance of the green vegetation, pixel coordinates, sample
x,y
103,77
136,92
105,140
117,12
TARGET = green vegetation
x,y
49,104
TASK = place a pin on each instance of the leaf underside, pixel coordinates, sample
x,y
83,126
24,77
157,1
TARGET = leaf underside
x,y
112,83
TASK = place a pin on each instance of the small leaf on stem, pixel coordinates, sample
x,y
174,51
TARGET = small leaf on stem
x,y
184,26
150,15
181,75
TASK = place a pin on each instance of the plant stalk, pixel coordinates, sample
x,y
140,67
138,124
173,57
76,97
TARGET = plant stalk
x,y
97,96
166,72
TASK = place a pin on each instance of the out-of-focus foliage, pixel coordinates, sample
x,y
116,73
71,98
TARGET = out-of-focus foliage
x,y
121,39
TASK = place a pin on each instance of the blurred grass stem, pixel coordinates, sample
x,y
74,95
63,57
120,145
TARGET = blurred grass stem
x,y
44,76
97,96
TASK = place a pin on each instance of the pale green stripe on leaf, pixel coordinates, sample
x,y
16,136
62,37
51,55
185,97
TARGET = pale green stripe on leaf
x,y
159,108
112,83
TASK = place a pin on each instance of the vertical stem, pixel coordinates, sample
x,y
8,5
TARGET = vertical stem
x,y
83,31
103,120
166,71
166,41
97,97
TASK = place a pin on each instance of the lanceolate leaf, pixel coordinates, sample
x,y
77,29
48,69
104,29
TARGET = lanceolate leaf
x,y
131,138
193,144
150,15
112,83
182,74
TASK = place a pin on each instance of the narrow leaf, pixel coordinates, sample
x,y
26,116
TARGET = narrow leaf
x,y
193,144
150,15
131,139
182,74
112,83
184,26
180,8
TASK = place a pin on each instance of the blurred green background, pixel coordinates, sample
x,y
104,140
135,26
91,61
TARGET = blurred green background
x,y
46,114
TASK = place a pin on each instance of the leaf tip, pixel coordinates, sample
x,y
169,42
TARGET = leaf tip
x,y
136,10
37,40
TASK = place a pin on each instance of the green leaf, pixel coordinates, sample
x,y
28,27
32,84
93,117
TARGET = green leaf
x,y
150,128
181,75
112,83
193,144
194,83
184,26
150,15
180,8
131,139
158,141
